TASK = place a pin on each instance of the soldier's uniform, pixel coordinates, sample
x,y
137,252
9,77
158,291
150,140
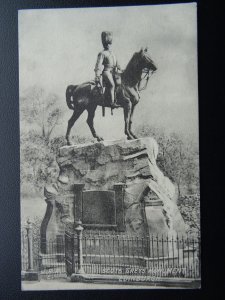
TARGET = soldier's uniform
x,y
107,60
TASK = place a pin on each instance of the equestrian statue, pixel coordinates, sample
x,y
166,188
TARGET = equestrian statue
x,y
113,88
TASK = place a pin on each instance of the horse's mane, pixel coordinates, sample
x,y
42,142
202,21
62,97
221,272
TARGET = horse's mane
x,y
131,74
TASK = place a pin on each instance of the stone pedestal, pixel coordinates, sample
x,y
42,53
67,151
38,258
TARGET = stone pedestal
x,y
146,203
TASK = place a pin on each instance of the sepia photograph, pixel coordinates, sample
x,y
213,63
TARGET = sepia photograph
x,y
109,148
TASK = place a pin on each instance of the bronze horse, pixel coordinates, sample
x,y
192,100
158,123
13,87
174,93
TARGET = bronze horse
x,y
87,96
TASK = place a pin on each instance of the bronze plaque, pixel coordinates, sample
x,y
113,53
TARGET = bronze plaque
x,y
99,208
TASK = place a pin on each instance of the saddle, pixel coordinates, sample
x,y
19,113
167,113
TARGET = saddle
x,y
101,89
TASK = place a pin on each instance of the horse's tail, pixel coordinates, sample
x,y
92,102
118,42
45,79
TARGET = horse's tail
x,y
69,99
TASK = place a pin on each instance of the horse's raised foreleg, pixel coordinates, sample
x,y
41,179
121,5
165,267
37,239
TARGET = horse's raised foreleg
x,y
127,113
131,120
90,122
71,122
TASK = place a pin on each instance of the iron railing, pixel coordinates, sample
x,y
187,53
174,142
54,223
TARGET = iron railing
x,y
159,256
51,263
111,254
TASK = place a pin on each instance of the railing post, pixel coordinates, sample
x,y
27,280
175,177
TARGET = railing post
x,y
199,256
79,229
30,273
30,245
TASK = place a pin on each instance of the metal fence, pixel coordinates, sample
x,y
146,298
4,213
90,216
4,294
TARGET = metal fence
x,y
158,256
111,254
50,264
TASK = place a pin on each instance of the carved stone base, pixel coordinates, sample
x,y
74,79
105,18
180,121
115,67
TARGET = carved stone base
x,y
148,200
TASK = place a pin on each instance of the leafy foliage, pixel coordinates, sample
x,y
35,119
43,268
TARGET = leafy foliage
x,y
38,164
38,160
177,158
41,110
190,210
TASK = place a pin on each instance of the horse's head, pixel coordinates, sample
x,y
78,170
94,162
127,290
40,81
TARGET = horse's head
x,y
140,63
144,60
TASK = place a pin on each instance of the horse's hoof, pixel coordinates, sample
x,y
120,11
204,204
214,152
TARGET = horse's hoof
x,y
100,139
69,143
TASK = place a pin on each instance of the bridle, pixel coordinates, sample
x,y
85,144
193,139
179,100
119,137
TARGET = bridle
x,y
148,73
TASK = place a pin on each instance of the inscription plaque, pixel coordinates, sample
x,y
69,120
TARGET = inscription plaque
x,y
102,209
99,207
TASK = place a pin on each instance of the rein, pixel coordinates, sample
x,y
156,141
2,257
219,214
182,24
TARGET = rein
x,y
146,78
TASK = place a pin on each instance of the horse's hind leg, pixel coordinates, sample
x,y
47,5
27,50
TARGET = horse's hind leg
x,y
72,120
90,121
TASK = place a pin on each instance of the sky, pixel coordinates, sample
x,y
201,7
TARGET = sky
x,y
58,47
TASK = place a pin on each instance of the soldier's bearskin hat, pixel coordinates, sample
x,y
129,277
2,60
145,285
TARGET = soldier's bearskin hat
x,y
106,38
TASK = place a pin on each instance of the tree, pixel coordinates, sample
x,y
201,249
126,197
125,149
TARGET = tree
x,y
41,110
38,164
177,158
38,160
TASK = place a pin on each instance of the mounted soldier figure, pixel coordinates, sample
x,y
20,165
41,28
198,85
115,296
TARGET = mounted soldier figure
x,y
107,59
124,87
